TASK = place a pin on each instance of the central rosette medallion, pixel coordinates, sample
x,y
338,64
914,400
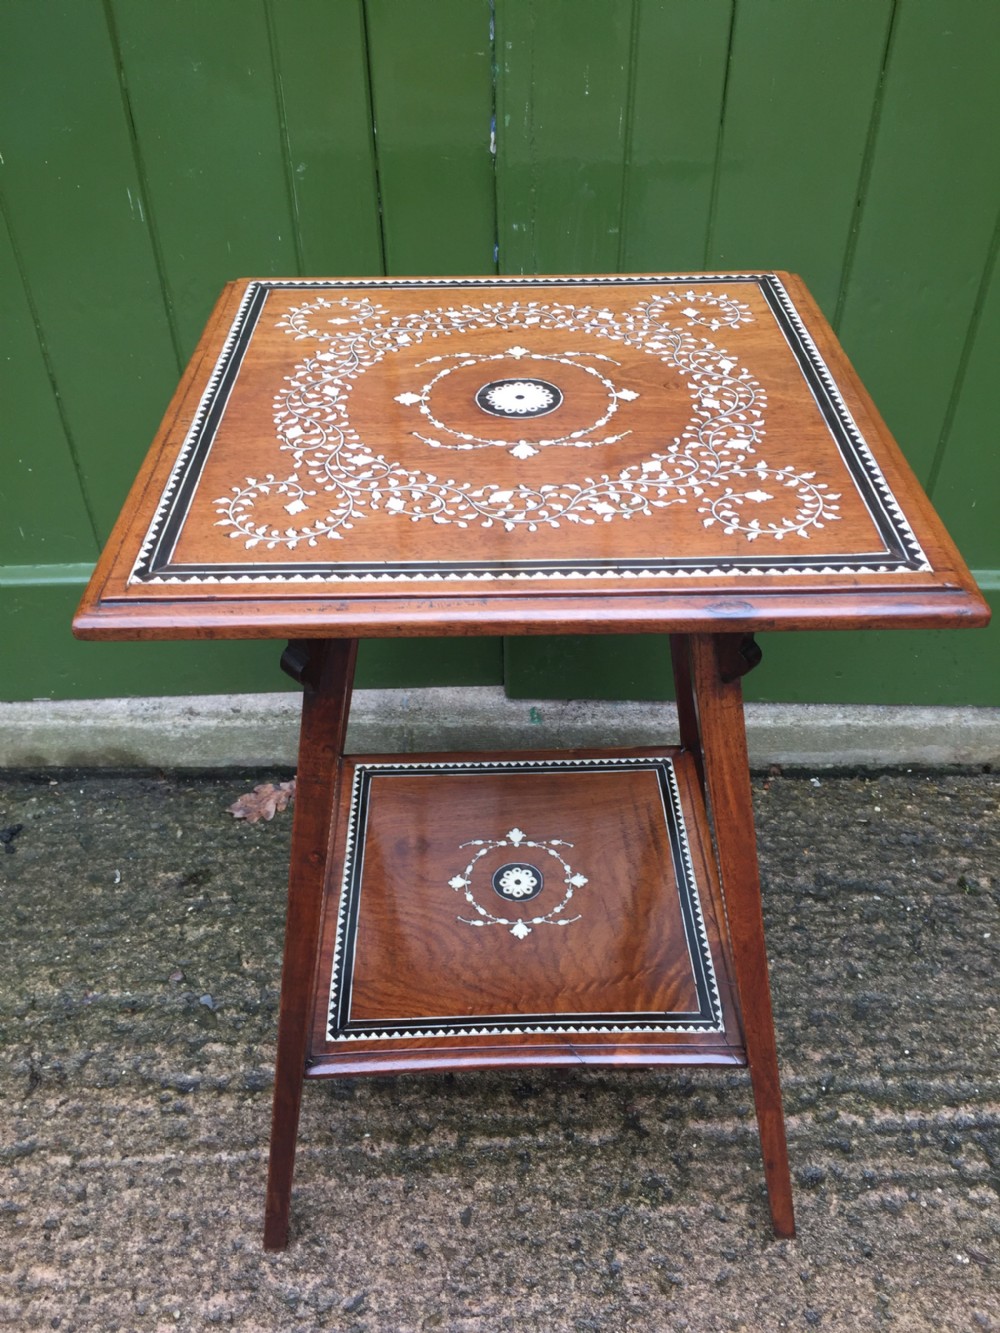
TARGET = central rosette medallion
x,y
519,398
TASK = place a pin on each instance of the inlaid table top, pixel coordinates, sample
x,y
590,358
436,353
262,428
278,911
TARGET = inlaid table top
x,y
461,455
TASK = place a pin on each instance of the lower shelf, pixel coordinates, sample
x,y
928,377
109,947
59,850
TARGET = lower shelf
x,y
521,910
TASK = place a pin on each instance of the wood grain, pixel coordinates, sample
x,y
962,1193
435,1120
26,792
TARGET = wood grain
x,y
327,675
427,989
517,524
717,667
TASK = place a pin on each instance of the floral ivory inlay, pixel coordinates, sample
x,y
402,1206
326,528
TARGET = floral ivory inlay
x,y
518,882
336,478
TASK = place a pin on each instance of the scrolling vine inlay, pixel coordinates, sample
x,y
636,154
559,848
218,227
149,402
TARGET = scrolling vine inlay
x,y
518,882
527,415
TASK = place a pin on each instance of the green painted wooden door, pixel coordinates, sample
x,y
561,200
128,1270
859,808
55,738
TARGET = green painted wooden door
x,y
150,152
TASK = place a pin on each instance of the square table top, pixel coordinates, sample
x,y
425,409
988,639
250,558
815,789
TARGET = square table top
x,y
385,457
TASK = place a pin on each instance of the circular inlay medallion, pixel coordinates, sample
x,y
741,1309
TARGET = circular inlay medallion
x,y
519,398
517,882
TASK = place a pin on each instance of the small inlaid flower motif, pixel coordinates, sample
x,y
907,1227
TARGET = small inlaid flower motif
x,y
519,882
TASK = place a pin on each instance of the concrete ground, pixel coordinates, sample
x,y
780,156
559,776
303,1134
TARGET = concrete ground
x,y
137,1015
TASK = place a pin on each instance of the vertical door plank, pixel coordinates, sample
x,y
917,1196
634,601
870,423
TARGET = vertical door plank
x,y
562,98
928,216
680,52
432,91
564,79
74,205
802,87
566,125
322,74
430,71
385,664
201,88
45,517
596,666
967,489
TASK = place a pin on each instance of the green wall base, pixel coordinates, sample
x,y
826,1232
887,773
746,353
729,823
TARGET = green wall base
x,y
61,667
875,667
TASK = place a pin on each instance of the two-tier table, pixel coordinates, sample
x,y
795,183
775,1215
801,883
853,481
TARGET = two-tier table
x,y
483,456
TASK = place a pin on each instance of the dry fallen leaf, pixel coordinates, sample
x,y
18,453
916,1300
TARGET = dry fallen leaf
x,y
263,802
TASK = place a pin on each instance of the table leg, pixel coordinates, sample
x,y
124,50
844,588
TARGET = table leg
x,y
718,661
687,714
326,671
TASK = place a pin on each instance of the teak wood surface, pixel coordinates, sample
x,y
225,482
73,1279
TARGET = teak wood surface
x,y
620,956
352,458
384,973
394,457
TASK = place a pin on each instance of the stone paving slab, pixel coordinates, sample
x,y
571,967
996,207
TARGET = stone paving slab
x,y
213,731
137,1017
